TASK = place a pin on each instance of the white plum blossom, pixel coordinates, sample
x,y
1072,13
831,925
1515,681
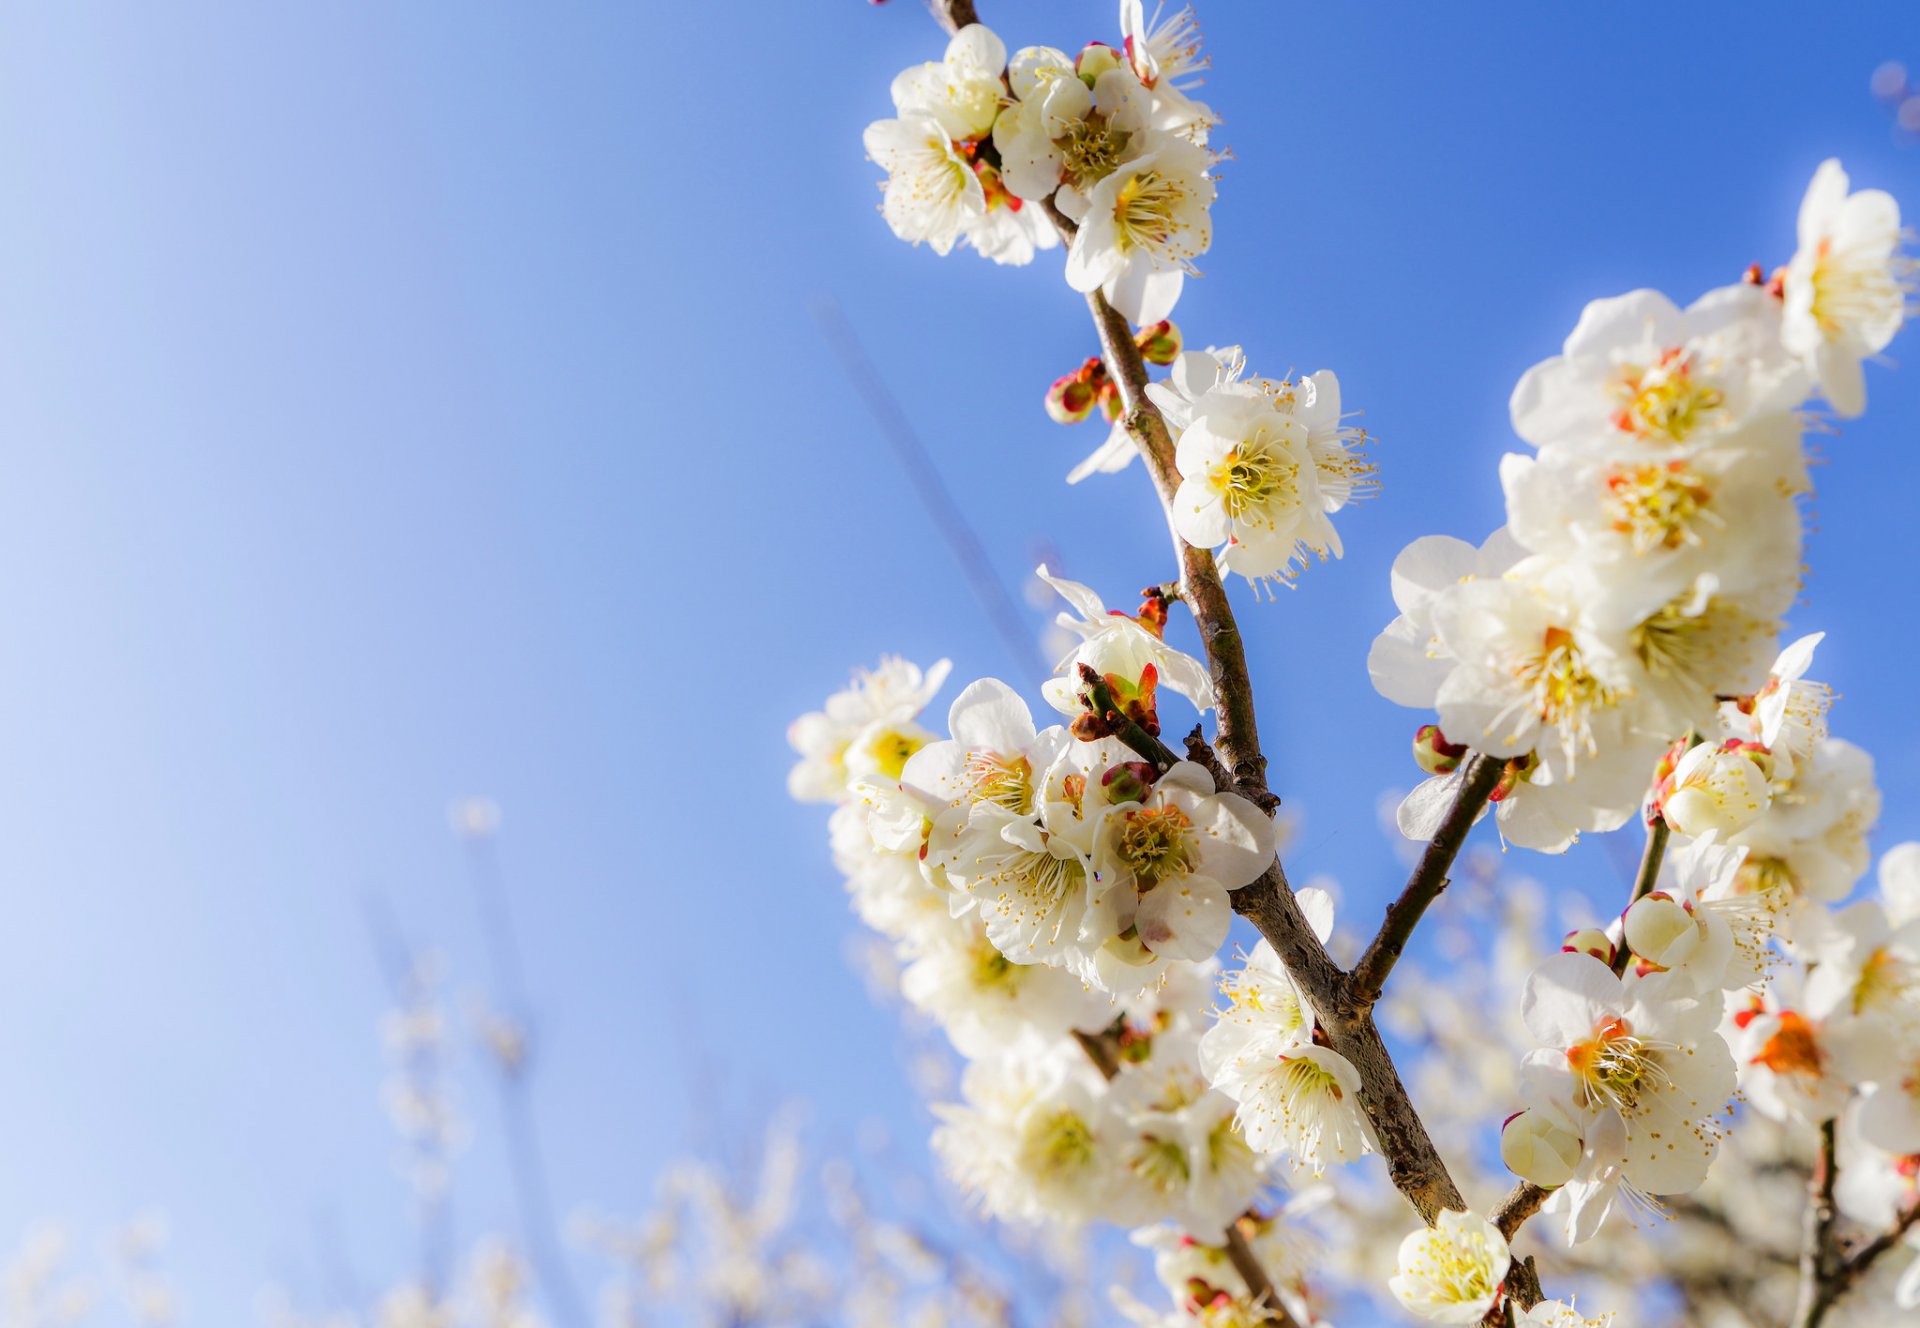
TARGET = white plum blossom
x,y
1168,861
1791,1067
932,194
1559,1314
1452,1271
1167,58
1115,642
1062,137
984,1000
1636,369
1532,671
1295,1097
1183,1160
1845,290
962,90
1813,839
1263,466
1646,1055
1408,662
1717,788
1788,715
1652,525
866,728
1145,223
1036,1137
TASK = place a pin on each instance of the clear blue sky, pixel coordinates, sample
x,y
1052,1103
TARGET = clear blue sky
x,y
401,401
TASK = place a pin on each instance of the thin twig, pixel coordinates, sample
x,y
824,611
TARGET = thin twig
x,y
1842,1278
526,1160
1643,880
989,591
952,15
1817,1247
1477,782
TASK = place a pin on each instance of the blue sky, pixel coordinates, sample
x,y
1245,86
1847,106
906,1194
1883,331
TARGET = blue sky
x,y
407,401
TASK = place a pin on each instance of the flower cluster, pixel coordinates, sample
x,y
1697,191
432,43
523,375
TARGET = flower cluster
x,y
1055,904
983,148
1652,543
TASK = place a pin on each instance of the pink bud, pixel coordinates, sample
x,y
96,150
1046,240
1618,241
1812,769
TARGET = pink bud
x,y
1589,941
1434,753
1159,342
1071,399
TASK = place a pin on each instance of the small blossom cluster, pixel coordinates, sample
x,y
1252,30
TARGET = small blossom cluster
x,y
1652,540
982,149
1055,904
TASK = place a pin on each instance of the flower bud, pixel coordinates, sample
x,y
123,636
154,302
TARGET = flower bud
x,y
1159,342
1589,941
1511,777
1129,949
1110,399
1537,1147
1096,60
1434,753
1071,399
1661,931
1127,782
1721,788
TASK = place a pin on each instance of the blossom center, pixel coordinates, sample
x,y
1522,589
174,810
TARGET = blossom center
x,y
1090,150
1664,402
1564,691
1002,780
1656,506
1147,215
1061,1144
1885,980
1698,647
1156,843
1256,476
1614,1066
1792,1048
1848,292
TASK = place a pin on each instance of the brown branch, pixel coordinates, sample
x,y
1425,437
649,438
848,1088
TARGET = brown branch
x,y
1643,880
1826,1274
952,15
1521,1203
1817,1251
1842,1277
1412,1160
1477,783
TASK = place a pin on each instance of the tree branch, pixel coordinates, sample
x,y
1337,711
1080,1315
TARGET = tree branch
x,y
1825,1274
1412,1159
1477,783
1817,1249
1841,1279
